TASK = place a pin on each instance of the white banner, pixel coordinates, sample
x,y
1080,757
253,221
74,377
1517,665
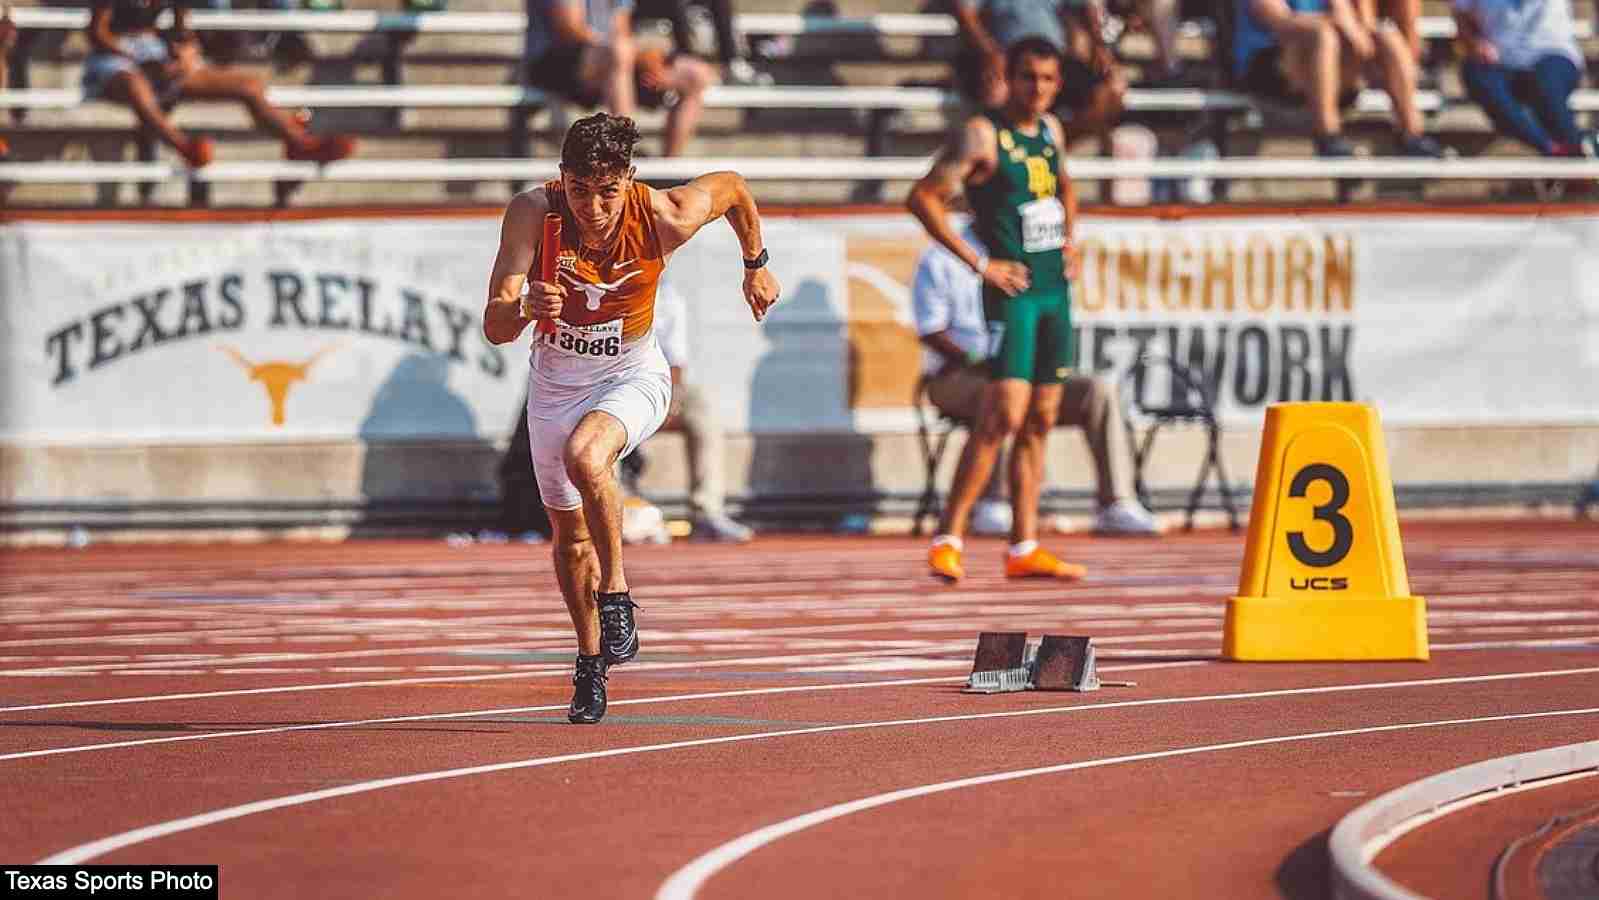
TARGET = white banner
x,y
371,328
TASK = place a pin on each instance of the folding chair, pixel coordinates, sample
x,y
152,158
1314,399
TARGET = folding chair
x,y
1189,402
933,431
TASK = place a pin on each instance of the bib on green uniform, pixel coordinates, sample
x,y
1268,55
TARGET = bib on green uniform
x,y
1019,217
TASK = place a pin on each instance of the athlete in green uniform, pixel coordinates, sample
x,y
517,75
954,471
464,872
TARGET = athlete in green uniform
x,y
1012,167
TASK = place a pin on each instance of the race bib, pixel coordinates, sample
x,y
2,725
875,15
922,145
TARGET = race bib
x,y
599,341
1043,225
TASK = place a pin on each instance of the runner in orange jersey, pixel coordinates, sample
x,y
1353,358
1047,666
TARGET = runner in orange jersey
x,y
599,385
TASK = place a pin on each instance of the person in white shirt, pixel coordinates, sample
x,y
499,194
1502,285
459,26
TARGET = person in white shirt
x,y
946,300
1522,64
692,414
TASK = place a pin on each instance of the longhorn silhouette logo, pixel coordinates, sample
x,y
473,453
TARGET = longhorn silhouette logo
x,y
275,377
597,291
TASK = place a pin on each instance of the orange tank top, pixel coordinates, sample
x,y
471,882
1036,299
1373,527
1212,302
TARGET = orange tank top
x,y
618,283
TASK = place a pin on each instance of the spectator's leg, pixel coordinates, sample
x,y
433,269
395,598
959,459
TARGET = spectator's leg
x,y
1397,69
1102,111
1090,404
213,83
1489,86
607,72
1406,16
134,89
690,78
1162,18
1554,78
1311,63
727,40
705,441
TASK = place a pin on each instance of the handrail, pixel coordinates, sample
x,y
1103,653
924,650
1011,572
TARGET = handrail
x,y
777,24
795,169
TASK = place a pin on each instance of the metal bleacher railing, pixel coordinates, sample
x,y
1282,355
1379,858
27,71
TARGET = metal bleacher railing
x,y
881,103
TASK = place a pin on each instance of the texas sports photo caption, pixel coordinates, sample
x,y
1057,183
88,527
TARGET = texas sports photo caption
x,y
108,882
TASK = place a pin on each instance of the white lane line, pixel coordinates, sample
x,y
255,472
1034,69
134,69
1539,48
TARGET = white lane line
x,y
88,851
670,698
686,882
781,660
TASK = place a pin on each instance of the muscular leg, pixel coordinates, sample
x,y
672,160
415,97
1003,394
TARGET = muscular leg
x,y
591,454
1004,408
134,89
577,570
214,83
1027,459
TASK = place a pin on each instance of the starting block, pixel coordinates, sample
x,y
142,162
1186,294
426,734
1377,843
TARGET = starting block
x,y
1006,662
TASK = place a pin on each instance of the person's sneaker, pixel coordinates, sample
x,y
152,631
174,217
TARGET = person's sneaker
x,y
618,631
588,694
1334,146
1424,146
1041,564
331,148
740,72
1125,517
1590,144
718,527
945,561
198,152
991,517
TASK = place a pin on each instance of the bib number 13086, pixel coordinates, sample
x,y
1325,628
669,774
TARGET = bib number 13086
x,y
1330,512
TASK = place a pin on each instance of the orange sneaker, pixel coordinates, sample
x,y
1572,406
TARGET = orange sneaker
x,y
327,149
945,561
199,152
1041,564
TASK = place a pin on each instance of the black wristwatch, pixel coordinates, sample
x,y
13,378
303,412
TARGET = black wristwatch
x,y
757,262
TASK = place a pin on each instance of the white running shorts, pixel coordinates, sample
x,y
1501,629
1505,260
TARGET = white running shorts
x,y
639,400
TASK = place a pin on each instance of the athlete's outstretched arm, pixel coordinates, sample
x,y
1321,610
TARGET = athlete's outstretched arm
x,y
682,211
968,152
519,247
1067,193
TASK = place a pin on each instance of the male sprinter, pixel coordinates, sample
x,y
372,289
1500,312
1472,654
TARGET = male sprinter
x,y
1012,165
599,385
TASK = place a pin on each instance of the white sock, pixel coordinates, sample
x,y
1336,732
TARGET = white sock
x,y
1017,551
949,540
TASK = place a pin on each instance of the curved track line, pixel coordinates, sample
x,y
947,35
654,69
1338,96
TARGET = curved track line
x,y
686,882
671,698
84,852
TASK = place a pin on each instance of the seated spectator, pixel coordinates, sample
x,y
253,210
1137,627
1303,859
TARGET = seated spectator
x,y
946,300
8,40
1161,19
1090,100
1522,64
691,413
584,51
133,64
1318,52
681,13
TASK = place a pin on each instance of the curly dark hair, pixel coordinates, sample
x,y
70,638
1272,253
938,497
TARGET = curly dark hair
x,y
601,144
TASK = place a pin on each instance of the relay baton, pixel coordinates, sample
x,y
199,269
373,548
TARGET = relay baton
x,y
549,248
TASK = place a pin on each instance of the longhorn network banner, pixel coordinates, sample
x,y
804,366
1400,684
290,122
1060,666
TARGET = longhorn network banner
x,y
371,328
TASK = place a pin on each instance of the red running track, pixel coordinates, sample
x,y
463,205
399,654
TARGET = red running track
x,y
387,719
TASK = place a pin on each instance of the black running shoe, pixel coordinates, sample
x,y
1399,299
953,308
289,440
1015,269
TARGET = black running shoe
x,y
588,696
618,633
